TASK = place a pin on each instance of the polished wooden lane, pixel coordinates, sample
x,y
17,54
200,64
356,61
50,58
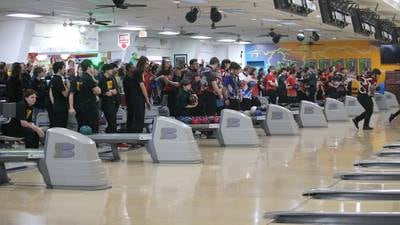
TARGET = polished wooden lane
x,y
234,186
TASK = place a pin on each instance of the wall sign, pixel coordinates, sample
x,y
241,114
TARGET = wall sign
x,y
124,40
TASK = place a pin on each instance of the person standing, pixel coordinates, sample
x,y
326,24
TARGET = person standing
x,y
311,77
366,92
59,91
136,95
232,92
271,86
38,84
291,87
14,84
282,85
211,90
74,104
109,97
88,96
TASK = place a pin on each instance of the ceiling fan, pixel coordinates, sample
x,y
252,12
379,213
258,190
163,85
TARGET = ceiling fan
x,y
121,5
241,41
91,20
182,32
273,34
213,26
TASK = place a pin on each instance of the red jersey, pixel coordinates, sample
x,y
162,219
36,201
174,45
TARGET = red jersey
x,y
270,82
291,86
146,80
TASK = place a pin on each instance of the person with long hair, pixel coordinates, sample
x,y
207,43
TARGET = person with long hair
x,y
3,73
14,84
170,84
136,95
38,84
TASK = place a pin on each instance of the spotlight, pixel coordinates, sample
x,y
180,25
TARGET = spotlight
x,y
315,36
215,15
300,36
276,38
191,16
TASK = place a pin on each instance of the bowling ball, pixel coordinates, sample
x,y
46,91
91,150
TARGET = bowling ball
x,y
217,119
85,130
253,110
211,119
195,120
193,99
188,120
180,118
251,84
258,113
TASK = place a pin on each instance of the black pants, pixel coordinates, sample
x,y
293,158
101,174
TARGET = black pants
x,y
50,113
255,102
90,117
30,136
78,117
60,117
272,95
136,112
110,112
312,91
282,96
245,104
367,103
396,113
209,103
234,104
172,95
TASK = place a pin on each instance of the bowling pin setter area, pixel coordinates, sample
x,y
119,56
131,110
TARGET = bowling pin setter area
x,y
292,176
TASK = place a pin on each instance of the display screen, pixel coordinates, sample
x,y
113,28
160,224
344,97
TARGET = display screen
x,y
390,54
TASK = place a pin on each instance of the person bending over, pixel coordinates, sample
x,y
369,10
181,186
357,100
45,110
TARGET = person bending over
x,y
21,125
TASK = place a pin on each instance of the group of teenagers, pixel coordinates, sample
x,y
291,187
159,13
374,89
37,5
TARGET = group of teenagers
x,y
188,90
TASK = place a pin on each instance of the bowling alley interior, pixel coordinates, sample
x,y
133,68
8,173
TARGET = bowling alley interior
x,y
193,112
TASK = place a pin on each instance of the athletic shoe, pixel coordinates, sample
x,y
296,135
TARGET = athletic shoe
x,y
368,128
355,123
391,117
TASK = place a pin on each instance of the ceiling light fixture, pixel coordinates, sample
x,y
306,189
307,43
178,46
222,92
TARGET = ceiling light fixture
x,y
132,28
243,42
276,38
200,37
300,36
254,19
80,22
191,16
227,40
215,15
315,36
169,33
24,15
82,29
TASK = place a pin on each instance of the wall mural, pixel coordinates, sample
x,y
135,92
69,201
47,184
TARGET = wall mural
x,y
354,55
